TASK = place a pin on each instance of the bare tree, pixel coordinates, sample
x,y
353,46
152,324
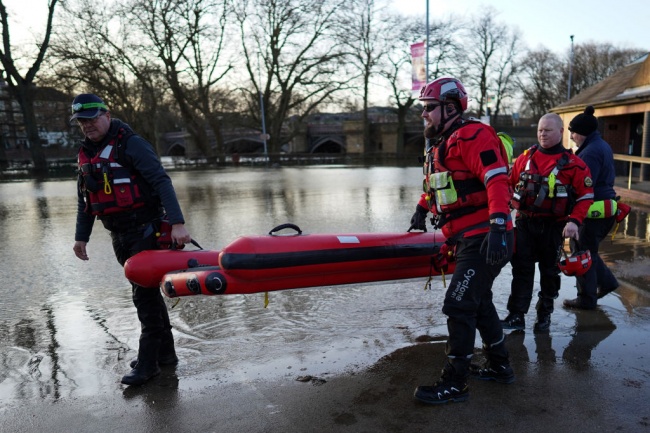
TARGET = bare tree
x,y
593,62
491,56
22,87
540,82
188,36
505,74
447,56
92,57
291,58
366,33
544,75
397,71
445,53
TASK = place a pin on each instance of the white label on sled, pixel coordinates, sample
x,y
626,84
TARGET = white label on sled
x,y
348,239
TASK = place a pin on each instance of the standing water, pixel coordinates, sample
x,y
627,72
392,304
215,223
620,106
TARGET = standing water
x,y
68,327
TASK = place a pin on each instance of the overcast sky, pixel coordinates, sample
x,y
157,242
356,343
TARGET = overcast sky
x,y
550,23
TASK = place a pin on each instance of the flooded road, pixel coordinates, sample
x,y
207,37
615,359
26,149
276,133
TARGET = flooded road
x,y
68,328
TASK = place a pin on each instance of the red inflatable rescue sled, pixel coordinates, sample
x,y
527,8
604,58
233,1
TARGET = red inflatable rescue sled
x,y
252,264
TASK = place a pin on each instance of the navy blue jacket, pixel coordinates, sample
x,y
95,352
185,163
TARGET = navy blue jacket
x,y
140,155
598,156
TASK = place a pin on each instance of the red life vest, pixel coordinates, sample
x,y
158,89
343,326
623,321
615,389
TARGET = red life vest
x,y
109,188
544,193
453,191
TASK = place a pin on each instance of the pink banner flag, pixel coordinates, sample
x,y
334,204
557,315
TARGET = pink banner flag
x,y
418,60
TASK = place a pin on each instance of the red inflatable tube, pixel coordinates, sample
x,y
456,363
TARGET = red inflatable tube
x,y
268,263
213,280
270,257
148,267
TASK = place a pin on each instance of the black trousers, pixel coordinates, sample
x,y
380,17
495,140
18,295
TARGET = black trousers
x,y
468,304
155,327
591,233
537,240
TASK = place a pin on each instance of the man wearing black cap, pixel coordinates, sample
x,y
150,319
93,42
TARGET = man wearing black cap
x,y
597,154
122,183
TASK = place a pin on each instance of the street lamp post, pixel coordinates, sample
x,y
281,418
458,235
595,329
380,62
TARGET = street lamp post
x,y
426,66
568,96
264,136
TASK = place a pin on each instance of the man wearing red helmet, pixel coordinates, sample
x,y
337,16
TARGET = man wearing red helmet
x,y
553,191
466,189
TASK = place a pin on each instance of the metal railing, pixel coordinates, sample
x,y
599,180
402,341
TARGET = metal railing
x,y
632,160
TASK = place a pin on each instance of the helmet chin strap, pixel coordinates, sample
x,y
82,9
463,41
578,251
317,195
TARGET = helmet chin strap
x,y
443,121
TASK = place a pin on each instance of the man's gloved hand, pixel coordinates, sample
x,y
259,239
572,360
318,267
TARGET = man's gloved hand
x,y
419,219
498,243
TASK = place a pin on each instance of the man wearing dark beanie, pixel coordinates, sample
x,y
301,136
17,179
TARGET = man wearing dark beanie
x,y
597,154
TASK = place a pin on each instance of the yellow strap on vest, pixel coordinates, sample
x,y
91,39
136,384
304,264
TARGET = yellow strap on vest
x,y
551,185
107,185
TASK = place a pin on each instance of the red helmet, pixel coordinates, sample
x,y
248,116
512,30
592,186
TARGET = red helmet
x,y
443,89
575,265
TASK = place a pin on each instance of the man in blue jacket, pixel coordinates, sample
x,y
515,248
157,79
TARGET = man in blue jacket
x,y
597,154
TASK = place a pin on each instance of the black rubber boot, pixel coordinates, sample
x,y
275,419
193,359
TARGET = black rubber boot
x,y
146,367
167,354
155,332
166,360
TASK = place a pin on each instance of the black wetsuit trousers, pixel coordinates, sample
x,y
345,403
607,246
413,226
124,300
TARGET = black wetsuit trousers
x,y
468,304
537,240
591,233
155,328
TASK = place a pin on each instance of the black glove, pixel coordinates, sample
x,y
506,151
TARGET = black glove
x,y
498,243
419,219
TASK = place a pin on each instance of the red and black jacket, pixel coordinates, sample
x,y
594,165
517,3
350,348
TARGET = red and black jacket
x,y
475,159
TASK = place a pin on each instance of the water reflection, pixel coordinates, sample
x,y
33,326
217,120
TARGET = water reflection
x,y
592,327
544,349
68,328
636,225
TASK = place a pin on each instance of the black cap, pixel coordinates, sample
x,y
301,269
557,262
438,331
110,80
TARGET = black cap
x,y
87,106
585,123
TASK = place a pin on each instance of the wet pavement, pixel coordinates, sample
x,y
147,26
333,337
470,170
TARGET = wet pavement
x,y
323,359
